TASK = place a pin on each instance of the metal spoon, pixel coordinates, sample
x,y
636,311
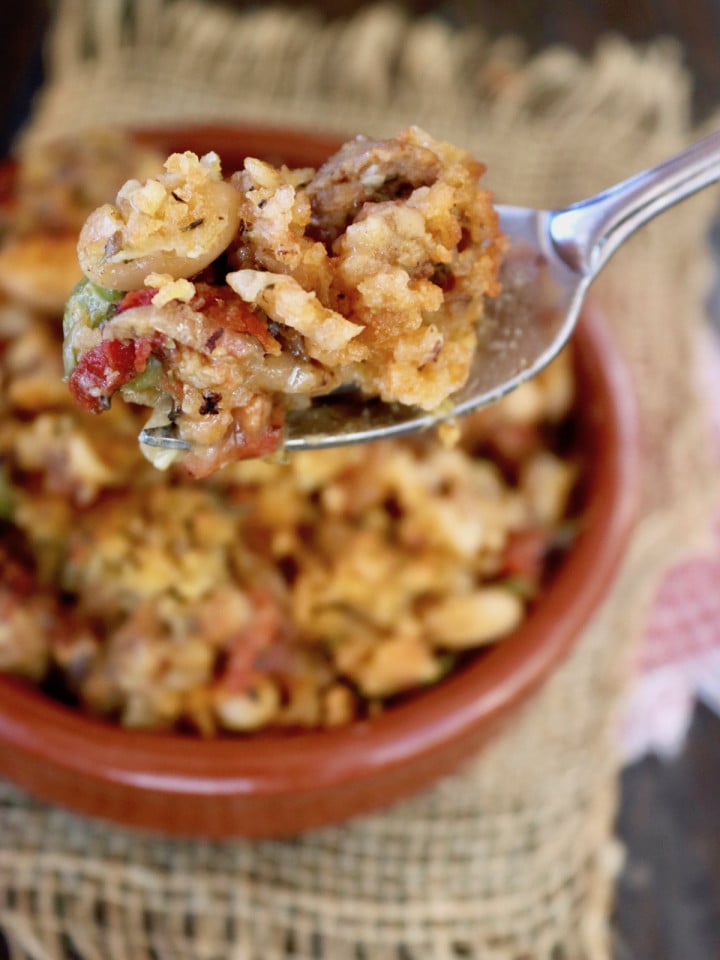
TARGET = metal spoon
x,y
554,256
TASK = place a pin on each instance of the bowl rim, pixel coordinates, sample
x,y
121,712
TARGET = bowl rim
x,y
272,764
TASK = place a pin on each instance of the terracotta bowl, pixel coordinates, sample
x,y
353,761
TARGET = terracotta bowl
x,y
275,784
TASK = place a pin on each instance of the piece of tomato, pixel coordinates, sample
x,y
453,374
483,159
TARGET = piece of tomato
x,y
136,298
105,368
224,306
524,554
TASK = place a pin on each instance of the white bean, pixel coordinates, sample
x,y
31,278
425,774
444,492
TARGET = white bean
x,y
248,710
176,224
463,621
399,663
547,481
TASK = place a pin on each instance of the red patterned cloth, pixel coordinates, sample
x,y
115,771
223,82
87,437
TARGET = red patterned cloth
x,y
679,660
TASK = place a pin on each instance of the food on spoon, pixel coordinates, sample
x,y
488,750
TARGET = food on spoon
x,y
224,303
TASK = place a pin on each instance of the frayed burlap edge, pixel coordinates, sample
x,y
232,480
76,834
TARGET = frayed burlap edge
x,y
514,856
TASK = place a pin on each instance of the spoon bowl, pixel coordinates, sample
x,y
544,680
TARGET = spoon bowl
x,y
521,331
554,257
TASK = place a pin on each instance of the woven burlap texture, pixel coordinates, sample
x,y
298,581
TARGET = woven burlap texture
x,y
514,856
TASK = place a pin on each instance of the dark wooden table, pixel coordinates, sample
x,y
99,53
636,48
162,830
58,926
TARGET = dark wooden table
x,y
668,903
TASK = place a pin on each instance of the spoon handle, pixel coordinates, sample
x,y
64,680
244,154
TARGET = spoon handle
x,y
586,234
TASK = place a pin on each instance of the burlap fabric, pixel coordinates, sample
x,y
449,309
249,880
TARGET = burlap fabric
x,y
514,856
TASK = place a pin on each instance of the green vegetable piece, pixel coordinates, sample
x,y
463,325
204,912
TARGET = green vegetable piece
x,y
7,494
149,379
88,306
